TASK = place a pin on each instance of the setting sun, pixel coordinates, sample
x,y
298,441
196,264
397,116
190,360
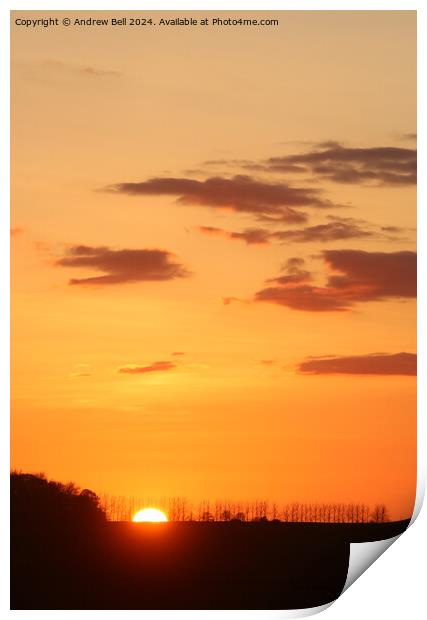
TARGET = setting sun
x,y
149,515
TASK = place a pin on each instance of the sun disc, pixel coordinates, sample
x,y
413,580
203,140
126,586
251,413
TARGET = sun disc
x,y
149,515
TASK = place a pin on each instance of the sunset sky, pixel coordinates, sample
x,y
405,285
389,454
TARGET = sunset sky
x,y
213,257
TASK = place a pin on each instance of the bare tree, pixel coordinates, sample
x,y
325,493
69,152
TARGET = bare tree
x,y
379,514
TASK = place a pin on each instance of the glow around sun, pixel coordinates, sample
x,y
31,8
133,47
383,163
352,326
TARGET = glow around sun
x,y
149,515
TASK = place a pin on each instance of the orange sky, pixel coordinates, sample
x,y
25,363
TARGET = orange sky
x,y
233,416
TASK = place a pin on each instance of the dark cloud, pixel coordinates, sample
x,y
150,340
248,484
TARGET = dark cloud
x,y
178,353
121,266
140,370
373,364
243,194
357,276
373,275
335,162
336,229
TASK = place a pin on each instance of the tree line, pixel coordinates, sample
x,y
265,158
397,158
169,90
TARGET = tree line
x,y
122,508
35,499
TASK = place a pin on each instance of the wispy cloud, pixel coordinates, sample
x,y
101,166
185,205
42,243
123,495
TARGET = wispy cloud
x,y
407,137
335,229
81,374
88,70
132,369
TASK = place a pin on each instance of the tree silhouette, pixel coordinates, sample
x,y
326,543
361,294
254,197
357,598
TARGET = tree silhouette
x,y
379,514
36,501
120,508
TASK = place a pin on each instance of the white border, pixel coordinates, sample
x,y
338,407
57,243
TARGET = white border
x,y
404,566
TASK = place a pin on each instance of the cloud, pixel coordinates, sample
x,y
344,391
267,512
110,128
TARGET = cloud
x,y
334,162
331,160
96,72
243,194
178,353
229,300
140,370
15,232
251,236
391,229
85,70
373,364
121,266
81,374
336,229
410,137
373,275
357,276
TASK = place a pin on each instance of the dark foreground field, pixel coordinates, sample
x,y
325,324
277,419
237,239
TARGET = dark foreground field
x,y
185,565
